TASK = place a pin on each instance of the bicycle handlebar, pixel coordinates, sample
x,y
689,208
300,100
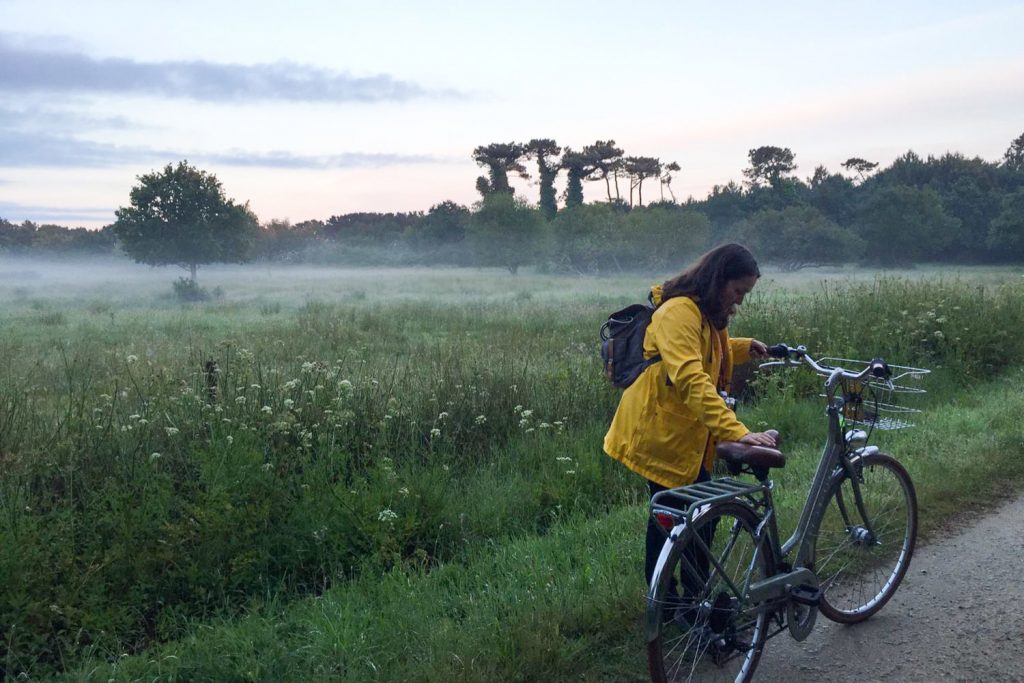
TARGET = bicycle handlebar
x,y
792,356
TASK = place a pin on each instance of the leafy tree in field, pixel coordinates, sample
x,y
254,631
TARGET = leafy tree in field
x,y
1014,157
769,165
859,166
606,162
180,216
903,224
640,169
1006,234
506,232
546,153
444,224
798,237
500,159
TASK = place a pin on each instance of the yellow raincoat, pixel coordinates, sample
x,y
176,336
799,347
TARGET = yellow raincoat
x,y
665,431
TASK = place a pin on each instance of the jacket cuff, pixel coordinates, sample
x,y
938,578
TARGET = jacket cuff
x,y
740,347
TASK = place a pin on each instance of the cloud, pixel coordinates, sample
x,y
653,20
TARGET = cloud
x,y
26,142
46,214
27,70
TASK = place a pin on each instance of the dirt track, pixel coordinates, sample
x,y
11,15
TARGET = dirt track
x,y
958,616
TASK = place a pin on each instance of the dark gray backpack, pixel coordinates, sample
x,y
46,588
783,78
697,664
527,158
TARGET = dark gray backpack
x,y
622,343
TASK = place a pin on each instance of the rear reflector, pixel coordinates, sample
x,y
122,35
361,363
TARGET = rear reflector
x,y
665,520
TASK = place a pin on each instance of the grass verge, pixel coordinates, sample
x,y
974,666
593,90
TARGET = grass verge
x,y
563,606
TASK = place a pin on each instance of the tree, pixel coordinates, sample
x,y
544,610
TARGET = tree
x,y
797,237
500,159
546,153
663,237
1006,234
577,166
444,225
605,160
666,179
833,194
640,169
905,224
181,216
1014,157
769,165
588,238
506,232
859,166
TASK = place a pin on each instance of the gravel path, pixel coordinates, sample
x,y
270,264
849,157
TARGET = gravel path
x,y
957,616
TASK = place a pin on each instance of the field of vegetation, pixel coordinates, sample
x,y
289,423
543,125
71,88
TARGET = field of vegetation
x,y
397,474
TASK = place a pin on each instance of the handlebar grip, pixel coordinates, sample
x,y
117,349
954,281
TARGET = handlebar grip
x,y
880,369
778,351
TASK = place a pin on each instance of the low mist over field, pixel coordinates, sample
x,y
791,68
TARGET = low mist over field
x,y
120,282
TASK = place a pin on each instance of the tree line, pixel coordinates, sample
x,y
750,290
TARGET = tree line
x,y
950,208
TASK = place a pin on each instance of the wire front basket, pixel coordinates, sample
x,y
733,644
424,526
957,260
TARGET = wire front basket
x,y
877,403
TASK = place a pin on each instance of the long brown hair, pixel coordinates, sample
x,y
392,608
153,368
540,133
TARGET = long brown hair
x,y
704,280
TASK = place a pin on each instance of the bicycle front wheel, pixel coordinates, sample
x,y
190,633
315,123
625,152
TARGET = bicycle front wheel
x,y
863,547
707,629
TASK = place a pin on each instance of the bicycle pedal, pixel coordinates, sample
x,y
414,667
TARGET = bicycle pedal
x,y
805,595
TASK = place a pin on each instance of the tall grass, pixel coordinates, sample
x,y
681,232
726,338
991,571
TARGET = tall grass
x,y
564,606
338,440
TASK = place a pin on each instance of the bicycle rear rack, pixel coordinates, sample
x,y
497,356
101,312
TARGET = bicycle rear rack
x,y
682,502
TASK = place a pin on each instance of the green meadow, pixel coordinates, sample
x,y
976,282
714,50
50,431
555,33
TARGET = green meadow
x,y
396,474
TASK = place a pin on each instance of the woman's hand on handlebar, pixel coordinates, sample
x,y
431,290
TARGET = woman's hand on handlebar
x,y
768,439
758,349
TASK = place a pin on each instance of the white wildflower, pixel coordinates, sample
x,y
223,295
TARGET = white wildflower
x,y
435,432
288,403
231,439
480,419
154,456
267,410
131,358
240,399
387,515
171,431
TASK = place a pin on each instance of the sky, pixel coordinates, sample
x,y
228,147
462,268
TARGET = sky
x,y
317,108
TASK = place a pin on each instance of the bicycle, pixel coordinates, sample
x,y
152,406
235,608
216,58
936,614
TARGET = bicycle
x,y
724,584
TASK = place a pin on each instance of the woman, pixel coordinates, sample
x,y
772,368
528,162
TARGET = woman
x,y
670,419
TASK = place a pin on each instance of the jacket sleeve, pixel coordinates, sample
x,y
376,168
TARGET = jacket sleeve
x,y
678,338
740,350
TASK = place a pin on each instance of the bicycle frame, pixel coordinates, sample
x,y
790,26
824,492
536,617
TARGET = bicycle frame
x,y
837,460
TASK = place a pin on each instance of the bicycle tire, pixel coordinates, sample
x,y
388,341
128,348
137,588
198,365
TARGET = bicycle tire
x,y
860,563
714,634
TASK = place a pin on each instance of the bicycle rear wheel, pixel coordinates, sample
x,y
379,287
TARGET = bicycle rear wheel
x,y
862,551
707,630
